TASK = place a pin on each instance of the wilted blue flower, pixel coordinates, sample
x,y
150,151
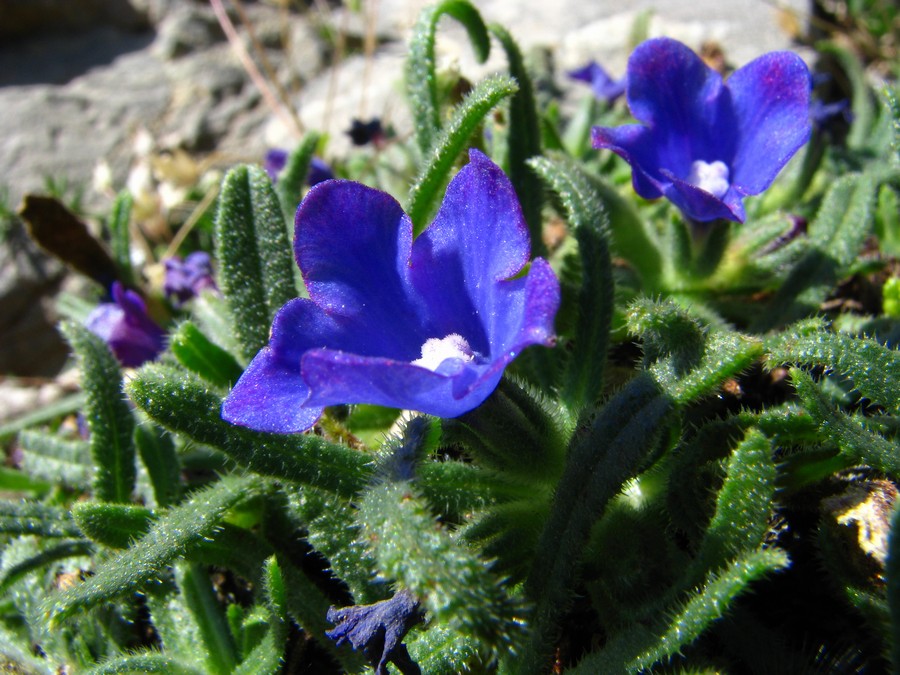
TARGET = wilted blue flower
x,y
605,88
705,144
377,630
126,327
428,325
186,278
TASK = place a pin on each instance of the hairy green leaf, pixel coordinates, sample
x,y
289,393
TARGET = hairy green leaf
x,y
146,662
421,78
857,444
624,436
836,238
435,174
113,525
743,506
37,519
255,263
874,368
199,354
181,403
120,234
293,178
638,648
583,376
157,451
109,419
168,538
687,359
524,140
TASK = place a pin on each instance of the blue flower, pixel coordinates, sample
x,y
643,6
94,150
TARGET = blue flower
x,y
377,630
186,278
705,144
319,171
363,133
428,325
125,326
605,88
274,162
276,159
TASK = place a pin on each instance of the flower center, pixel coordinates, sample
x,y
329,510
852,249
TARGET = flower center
x,y
437,350
709,176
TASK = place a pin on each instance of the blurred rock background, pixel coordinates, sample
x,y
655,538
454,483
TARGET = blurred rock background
x,y
90,88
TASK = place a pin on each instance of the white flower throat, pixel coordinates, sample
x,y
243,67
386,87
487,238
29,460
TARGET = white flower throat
x,y
709,176
437,350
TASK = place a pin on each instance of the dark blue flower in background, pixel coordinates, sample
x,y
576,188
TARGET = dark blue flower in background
x,y
605,88
126,327
185,279
319,171
363,133
378,630
428,325
703,143
822,114
275,161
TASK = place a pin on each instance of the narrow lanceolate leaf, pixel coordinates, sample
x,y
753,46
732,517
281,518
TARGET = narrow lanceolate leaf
x,y
169,537
55,459
266,656
453,582
874,368
179,402
293,178
146,662
453,139
524,140
47,556
157,451
836,238
857,444
636,649
624,436
688,360
113,525
200,599
199,354
36,519
107,414
583,378
255,261
308,606
421,78
743,506
120,234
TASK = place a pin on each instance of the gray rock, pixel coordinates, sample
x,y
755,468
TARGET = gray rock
x,y
28,279
25,18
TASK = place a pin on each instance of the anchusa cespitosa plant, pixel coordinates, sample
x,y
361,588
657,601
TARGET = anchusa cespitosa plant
x,y
591,396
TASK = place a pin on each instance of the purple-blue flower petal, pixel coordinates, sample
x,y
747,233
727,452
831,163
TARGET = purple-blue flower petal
x,y
352,244
771,97
604,86
753,124
125,326
426,325
478,239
